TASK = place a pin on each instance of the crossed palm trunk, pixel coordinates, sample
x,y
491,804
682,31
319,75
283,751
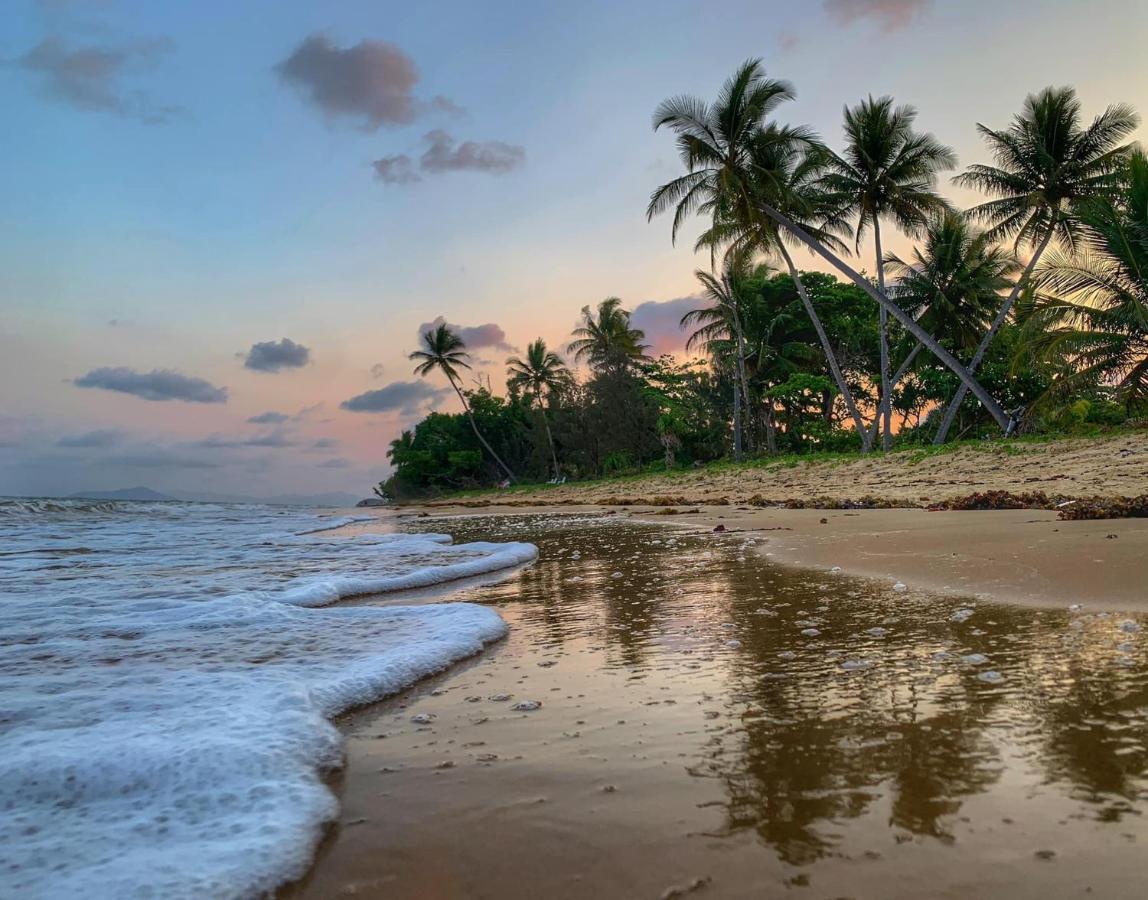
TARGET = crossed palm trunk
x,y
910,324
1002,314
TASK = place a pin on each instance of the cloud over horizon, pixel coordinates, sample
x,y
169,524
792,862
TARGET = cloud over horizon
x,y
90,78
660,320
891,15
445,154
157,385
272,356
372,81
408,398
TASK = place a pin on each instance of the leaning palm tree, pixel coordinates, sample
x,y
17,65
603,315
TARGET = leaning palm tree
x,y
542,373
714,143
607,340
1096,318
445,351
887,172
1047,166
787,168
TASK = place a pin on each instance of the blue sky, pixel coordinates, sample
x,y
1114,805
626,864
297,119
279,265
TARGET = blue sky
x,y
252,213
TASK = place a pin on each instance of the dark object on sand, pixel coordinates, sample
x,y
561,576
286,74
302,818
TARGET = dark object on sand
x,y
1110,508
719,529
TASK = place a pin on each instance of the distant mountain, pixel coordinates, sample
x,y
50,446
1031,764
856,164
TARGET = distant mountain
x,y
132,493
330,498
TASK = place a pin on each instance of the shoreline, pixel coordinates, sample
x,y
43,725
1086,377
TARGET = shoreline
x,y
1026,557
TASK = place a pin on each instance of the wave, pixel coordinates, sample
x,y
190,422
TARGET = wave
x,y
167,730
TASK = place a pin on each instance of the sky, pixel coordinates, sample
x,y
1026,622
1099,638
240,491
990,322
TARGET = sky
x,y
224,223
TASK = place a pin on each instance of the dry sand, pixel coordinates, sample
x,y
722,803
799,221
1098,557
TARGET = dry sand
x,y
1115,466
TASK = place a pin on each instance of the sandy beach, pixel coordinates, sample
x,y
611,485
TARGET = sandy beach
x,y
722,715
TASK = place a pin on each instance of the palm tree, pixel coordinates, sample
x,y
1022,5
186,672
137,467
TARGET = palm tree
x,y
887,171
721,321
788,164
714,146
1097,318
1047,167
607,340
446,352
542,372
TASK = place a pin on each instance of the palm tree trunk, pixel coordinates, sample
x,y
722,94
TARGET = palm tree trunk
x,y
830,357
736,423
931,343
893,382
478,434
549,439
741,366
983,346
885,412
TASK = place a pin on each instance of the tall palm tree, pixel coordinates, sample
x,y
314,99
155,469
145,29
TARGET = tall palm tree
x,y
721,319
787,167
1047,166
713,143
887,171
1097,316
542,373
606,340
445,351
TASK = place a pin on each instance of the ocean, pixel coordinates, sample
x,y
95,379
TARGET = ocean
x,y
169,675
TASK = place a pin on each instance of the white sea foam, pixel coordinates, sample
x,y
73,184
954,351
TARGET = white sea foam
x,y
165,699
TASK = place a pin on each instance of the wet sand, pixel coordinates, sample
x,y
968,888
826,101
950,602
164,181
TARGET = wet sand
x,y
1014,556
713,724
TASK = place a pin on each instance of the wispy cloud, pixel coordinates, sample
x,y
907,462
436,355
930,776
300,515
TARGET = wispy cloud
x,y
445,154
273,356
92,77
269,418
891,15
100,438
156,385
474,336
372,81
405,397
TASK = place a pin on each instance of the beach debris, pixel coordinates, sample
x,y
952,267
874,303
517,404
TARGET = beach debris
x,y
1045,854
547,663
962,614
900,587
500,698
1107,508
733,644
991,676
975,659
852,665
423,718
786,654
446,764
719,529
682,890
997,500
527,705
609,789
810,632
878,631
1129,627
835,569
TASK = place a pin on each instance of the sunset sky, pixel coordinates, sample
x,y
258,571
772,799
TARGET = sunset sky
x,y
223,220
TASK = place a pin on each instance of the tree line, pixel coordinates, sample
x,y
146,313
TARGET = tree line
x,y
1026,312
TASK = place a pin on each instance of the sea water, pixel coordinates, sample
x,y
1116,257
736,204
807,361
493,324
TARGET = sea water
x,y
167,681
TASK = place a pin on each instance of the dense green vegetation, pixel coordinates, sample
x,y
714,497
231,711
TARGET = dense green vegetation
x,y
1027,314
